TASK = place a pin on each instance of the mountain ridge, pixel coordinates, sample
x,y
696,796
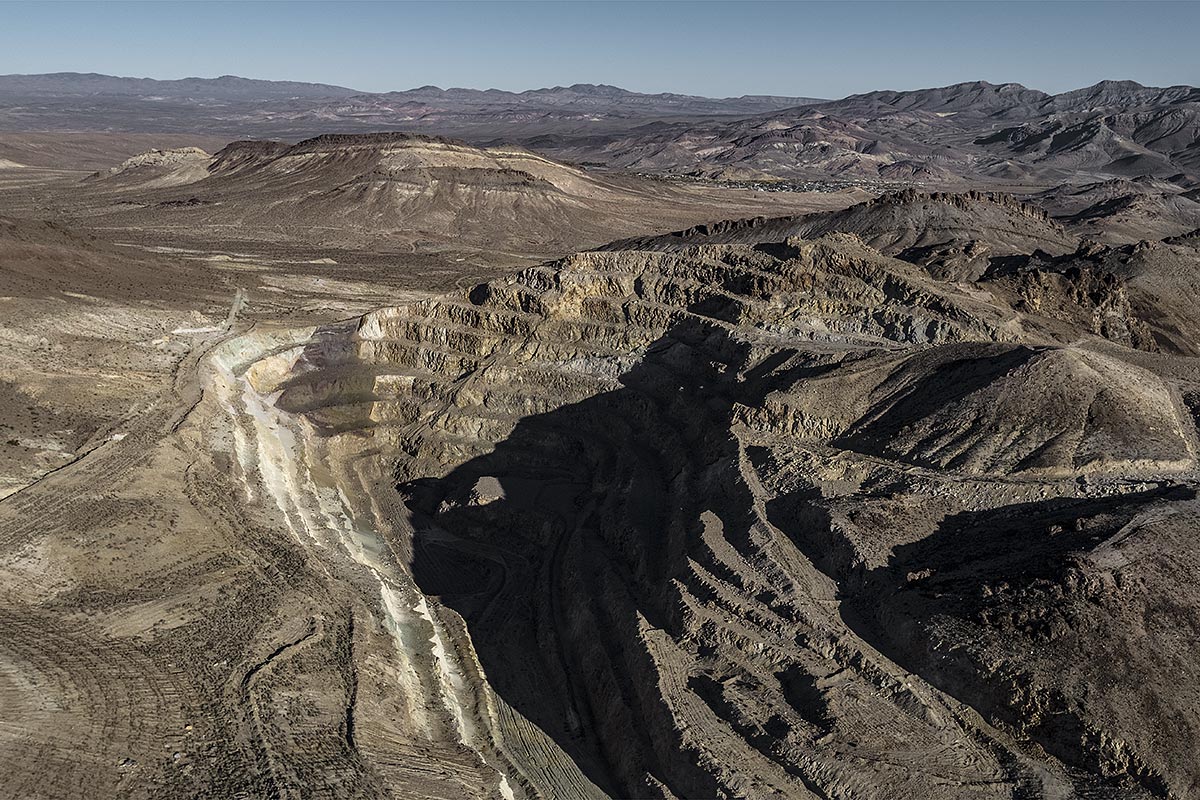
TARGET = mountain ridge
x,y
973,132
86,82
1107,85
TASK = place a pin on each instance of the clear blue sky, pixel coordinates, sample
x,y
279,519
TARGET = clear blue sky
x,y
716,48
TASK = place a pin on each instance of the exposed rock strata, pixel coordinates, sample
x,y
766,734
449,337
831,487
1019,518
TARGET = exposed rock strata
x,y
738,521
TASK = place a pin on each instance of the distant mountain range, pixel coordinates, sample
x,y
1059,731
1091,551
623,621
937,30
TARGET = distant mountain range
x,y
226,87
230,87
981,97
976,132
266,106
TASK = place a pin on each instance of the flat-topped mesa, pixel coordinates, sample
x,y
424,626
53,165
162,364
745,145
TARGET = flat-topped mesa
x,y
245,152
420,193
327,141
385,153
369,149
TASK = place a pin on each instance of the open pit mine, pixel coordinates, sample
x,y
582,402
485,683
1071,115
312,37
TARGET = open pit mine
x,y
387,466
783,520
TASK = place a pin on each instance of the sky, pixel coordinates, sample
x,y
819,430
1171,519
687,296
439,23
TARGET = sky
x,y
718,49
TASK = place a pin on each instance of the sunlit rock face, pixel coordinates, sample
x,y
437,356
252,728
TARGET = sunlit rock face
x,y
746,521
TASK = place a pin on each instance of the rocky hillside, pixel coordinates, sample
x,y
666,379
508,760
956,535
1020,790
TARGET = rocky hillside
x,y
977,132
794,519
1123,209
955,235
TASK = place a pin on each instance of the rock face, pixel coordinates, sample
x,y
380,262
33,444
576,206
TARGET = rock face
x,y
156,169
786,520
1137,294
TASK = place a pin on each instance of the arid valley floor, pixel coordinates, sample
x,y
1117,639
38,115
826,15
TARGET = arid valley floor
x,y
754,448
